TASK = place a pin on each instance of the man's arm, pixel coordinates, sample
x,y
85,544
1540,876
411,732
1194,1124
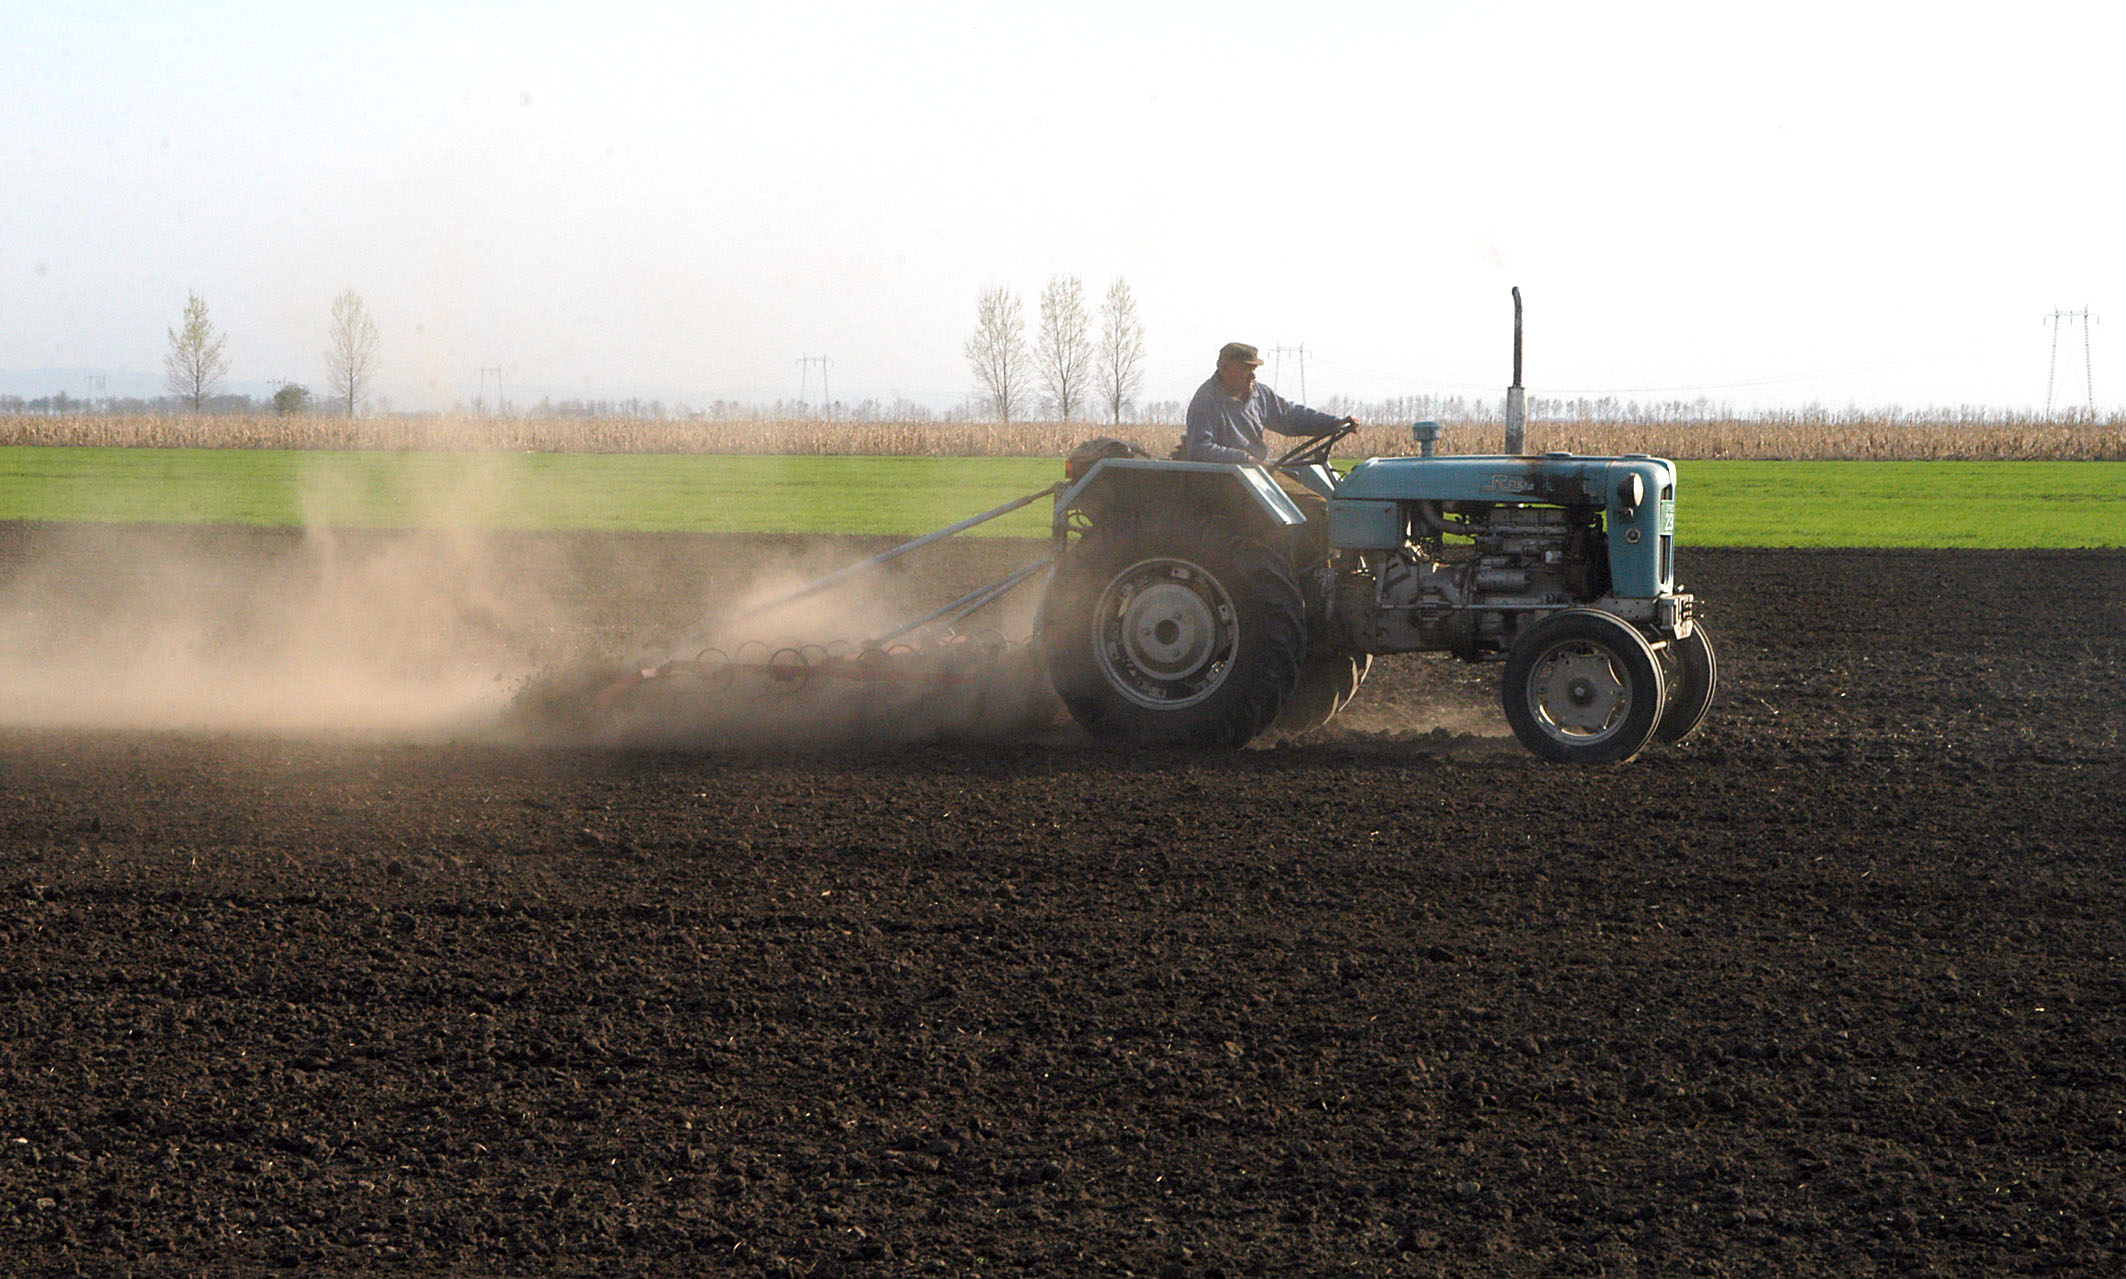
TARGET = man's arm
x,y
1287,418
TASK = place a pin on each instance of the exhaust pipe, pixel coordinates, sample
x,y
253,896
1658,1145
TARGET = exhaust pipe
x,y
1516,403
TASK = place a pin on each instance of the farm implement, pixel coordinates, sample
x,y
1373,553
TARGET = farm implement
x,y
938,652
1205,604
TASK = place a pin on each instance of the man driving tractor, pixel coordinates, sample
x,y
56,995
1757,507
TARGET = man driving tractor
x,y
1226,423
1231,411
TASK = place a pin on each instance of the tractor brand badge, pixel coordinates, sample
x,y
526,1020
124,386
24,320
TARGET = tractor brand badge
x,y
1509,484
1668,518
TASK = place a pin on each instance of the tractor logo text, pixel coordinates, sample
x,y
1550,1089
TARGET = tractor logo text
x,y
1509,484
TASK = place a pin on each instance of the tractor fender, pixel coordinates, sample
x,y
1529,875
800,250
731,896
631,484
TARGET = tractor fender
x,y
1246,495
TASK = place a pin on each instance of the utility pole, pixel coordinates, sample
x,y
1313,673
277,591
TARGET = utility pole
x,y
2083,318
1277,369
501,405
804,363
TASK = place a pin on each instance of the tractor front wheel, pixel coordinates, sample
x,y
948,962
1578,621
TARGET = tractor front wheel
x,y
1582,687
1174,634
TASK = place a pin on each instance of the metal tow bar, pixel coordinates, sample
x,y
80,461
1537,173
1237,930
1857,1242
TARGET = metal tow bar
x,y
887,657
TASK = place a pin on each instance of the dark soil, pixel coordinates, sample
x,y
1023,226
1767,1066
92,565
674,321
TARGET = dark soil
x,y
1834,987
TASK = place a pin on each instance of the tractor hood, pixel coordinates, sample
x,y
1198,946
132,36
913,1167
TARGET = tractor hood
x,y
1636,496
1553,479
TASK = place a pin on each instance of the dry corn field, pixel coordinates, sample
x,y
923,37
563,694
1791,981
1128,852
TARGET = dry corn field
x,y
1793,437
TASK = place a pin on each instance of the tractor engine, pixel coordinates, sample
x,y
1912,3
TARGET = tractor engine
x,y
1467,572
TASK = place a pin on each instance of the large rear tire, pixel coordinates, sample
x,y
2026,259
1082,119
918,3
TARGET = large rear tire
x,y
1174,634
1692,675
1582,687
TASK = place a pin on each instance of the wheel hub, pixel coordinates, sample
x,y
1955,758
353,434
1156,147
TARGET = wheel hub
x,y
1166,633
1578,689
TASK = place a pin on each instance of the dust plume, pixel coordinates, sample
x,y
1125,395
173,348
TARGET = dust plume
x,y
846,668
1424,701
242,630
322,629
457,630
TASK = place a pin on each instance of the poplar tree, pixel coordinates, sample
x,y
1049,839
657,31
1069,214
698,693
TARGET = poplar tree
x,y
350,359
997,350
1121,354
1064,350
194,366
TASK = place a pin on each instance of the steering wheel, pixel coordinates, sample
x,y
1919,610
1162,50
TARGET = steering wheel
x,y
1314,450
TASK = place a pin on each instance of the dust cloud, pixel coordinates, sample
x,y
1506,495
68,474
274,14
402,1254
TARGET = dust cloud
x,y
823,672
459,631
133,628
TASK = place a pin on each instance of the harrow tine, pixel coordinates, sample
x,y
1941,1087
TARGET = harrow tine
x,y
715,666
789,668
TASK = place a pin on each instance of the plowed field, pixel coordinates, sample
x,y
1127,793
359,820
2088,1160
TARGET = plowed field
x,y
1834,987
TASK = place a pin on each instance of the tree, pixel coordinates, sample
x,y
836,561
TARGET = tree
x,y
194,367
292,398
1064,350
351,359
1121,354
998,351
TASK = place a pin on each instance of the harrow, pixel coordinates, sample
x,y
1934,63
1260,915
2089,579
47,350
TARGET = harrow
x,y
757,683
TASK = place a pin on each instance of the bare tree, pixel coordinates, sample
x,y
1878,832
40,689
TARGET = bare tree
x,y
1064,351
998,351
351,359
194,367
1121,354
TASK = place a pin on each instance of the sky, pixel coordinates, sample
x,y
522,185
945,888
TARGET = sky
x,y
1763,206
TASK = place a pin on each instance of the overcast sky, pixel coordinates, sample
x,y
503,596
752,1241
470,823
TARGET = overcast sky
x,y
1775,204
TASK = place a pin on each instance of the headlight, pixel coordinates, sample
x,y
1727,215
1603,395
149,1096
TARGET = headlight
x,y
1631,492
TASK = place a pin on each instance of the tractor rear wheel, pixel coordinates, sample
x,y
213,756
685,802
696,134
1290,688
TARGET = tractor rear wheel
x,y
1174,634
1692,675
1582,687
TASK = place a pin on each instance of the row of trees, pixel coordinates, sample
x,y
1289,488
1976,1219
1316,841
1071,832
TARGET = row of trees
x,y
196,364
1066,360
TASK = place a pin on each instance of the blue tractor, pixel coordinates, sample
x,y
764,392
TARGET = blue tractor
x,y
1198,603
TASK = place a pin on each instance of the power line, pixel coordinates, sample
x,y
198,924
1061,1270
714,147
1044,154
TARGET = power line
x,y
804,363
2081,317
1461,381
1277,369
496,370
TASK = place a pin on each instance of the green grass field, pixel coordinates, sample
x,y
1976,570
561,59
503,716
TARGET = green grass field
x,y
1725,503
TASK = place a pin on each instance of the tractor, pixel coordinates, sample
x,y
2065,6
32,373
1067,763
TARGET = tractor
x,y
1206,603
1200,604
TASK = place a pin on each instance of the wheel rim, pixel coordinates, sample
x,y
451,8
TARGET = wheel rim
x,y
1579,692
1166,633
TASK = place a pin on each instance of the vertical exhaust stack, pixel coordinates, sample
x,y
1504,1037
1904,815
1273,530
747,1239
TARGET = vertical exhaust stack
x,y
1516,400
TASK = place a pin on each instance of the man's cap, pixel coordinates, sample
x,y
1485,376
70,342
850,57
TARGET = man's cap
x,y
1240,353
